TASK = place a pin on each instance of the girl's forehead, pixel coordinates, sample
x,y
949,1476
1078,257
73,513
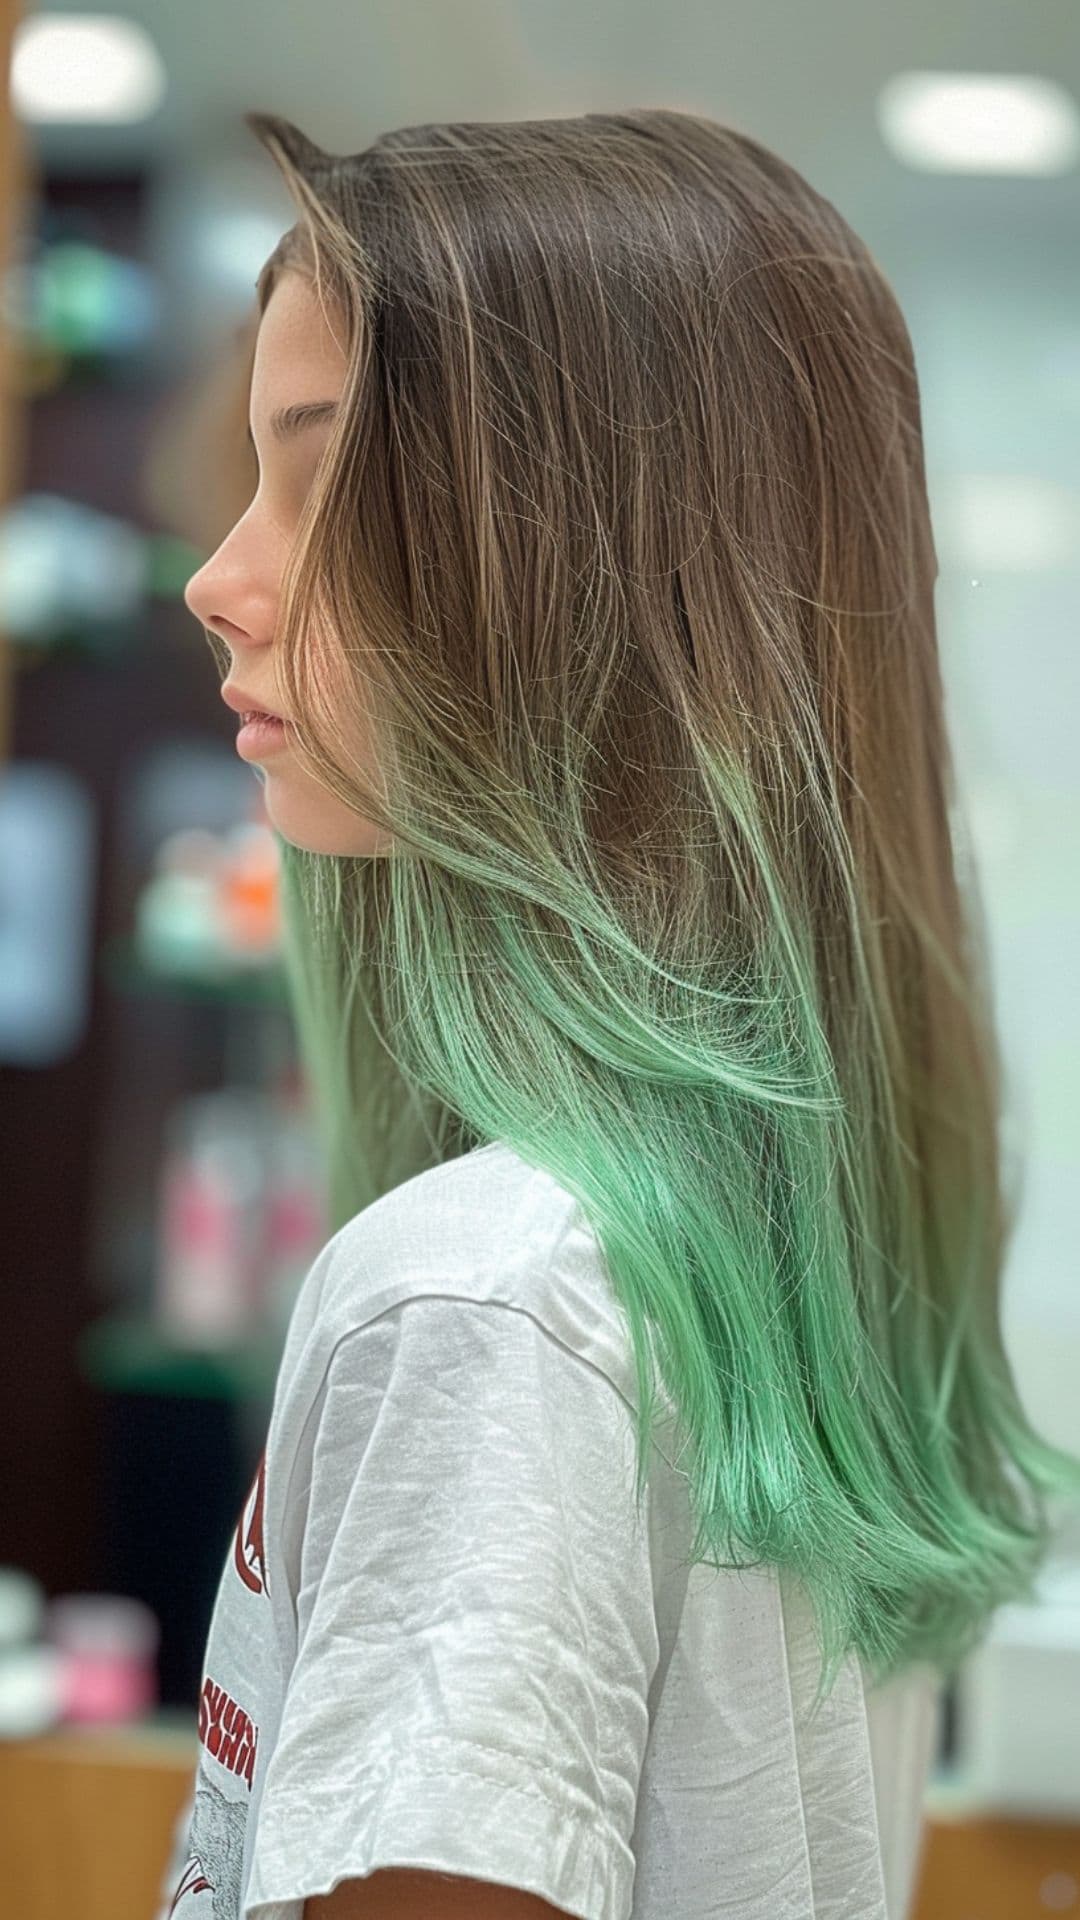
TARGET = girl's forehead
x,y
295,338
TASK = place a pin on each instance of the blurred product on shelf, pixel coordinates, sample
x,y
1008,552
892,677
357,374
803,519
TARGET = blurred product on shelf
x,y
242,1214
66,300
249,896
108,1643
296,1214
70,573
48,876
208,1243
212,900
31,1683
80,1658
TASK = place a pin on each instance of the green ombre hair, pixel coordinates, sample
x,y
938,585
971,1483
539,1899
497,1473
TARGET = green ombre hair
x,y
619,558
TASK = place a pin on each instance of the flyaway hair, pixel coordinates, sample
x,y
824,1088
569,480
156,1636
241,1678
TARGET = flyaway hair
x,y
612,605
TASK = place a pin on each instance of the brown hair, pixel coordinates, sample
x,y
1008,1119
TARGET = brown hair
x,y
621,543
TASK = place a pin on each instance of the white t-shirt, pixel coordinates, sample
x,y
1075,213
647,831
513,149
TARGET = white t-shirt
x,y
445,1638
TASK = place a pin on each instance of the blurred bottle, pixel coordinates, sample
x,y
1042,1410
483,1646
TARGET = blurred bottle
x,y
31,1670
108,1645
211,902
176,914
210,1218
296,1221
248,904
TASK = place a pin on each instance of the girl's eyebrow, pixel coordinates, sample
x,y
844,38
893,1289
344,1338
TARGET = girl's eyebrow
x,y
287,422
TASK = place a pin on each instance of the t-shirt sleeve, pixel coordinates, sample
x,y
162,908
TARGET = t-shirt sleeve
x,y
476,1633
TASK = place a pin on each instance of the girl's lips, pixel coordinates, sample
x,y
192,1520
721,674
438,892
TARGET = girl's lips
x,y
234,697
261,733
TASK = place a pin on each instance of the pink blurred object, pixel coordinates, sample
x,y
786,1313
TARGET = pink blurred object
x,y
108,1643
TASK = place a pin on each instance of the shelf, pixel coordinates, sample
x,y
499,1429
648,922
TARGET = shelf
x,y
261,984
129,1353
163,1736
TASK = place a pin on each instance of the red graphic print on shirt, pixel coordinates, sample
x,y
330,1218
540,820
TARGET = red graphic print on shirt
x,y
229,1735
249,1551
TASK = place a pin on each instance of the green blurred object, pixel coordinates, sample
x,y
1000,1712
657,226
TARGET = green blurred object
x,y
170,563
131,1353
260,985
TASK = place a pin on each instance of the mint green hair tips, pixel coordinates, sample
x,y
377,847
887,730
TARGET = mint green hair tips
x,y
622,556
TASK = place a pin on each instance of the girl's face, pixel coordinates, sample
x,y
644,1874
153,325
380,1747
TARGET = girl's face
x,y
297,362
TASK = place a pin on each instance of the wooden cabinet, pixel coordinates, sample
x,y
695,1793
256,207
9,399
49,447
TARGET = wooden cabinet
x,y
998,1869
86,1820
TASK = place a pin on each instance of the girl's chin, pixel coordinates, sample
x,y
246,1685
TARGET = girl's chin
x,y
314,827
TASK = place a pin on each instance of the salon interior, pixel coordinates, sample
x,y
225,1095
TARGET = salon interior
x,y
162,1189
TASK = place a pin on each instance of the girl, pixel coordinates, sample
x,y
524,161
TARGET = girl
x,y
644,1453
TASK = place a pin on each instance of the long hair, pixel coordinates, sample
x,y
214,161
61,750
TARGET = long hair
x,y
619,559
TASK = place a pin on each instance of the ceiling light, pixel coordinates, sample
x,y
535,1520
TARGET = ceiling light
x,y
979,123
84,67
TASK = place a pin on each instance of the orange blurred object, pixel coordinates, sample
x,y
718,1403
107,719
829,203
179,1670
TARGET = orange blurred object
x,y
250,893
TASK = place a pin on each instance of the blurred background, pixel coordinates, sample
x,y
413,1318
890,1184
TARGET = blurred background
x,y
160,1185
